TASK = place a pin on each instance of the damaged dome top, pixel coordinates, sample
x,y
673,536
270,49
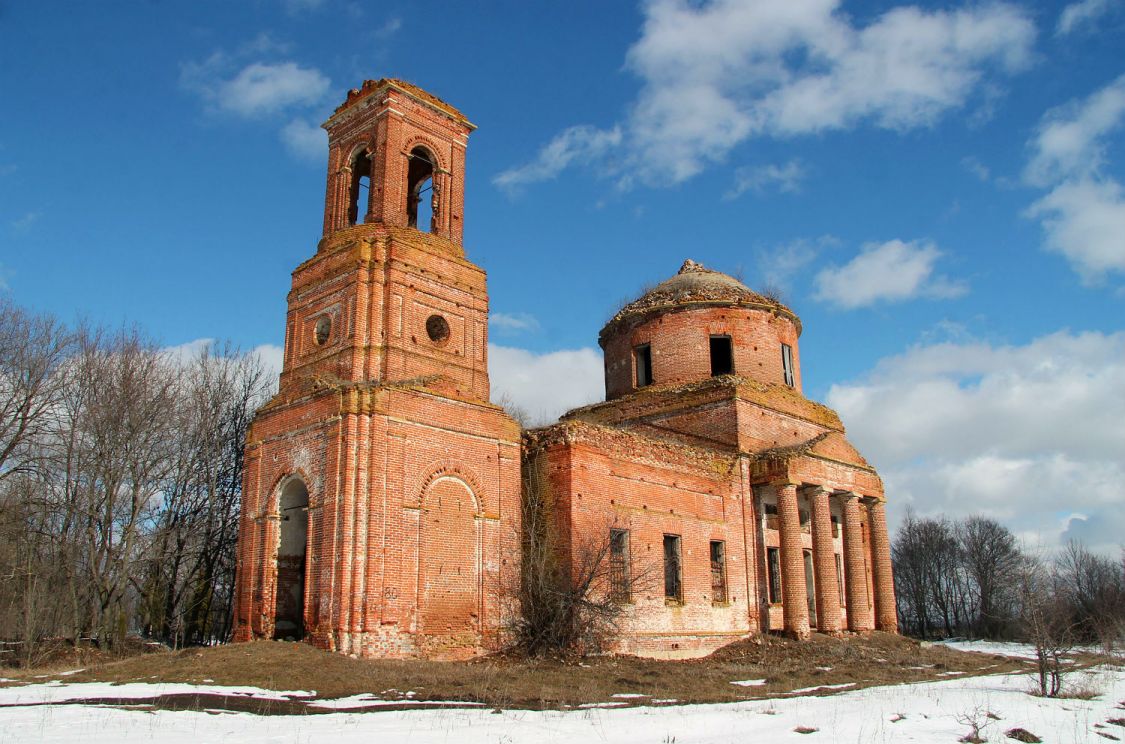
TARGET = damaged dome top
x,y
694,284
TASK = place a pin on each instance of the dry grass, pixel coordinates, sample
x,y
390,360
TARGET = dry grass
x,y
858,661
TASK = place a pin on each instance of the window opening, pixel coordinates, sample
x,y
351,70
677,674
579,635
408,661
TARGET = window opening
x,y
772,521
806,525
787,363
722,356
642,355
773,563
421,196
810,586
359,196
322,331
619,589
718,571
835,526
673,586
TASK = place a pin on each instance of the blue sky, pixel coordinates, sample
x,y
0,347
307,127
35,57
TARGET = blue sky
x,y
936,189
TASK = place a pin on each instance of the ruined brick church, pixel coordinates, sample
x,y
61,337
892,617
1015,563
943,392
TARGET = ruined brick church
x,y
381,511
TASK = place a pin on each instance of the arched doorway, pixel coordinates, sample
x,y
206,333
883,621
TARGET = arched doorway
x,y
449,584
289,612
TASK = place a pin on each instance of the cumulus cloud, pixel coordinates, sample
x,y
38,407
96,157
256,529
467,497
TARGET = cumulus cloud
x,y
305,139
1081,14
580,143
785,178
261,88
1083,213
1031,435
269,355
886,272
780,264
714,74
546,385
513,322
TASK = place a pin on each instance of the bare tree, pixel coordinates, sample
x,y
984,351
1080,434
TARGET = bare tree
x,y
32,347
1045,622
991,559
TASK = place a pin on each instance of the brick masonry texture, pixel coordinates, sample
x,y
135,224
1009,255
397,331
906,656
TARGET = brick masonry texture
x,y
382,496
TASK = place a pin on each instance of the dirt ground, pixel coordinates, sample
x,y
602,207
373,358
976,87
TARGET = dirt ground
x,y
855,661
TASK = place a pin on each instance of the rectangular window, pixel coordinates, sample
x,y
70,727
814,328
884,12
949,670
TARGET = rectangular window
x,y
835,526
722,356
773,566
772,522
673,588
806,524
619,588
642,356
840,577
787,363
718,571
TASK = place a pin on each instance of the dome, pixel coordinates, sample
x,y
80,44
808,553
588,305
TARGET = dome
x,y
696,285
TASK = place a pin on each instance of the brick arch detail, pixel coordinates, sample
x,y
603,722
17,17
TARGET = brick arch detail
x,y
448,469
364,144
420,140
279,484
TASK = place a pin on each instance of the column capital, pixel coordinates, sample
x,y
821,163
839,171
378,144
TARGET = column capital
x,y
871,500
848,495
784,482
817,490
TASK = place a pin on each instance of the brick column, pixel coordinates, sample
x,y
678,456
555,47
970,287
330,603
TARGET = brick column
x,y
824,561
855,572
794,593
886,616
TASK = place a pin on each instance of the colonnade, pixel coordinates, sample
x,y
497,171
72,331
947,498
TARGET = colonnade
x,y
862,613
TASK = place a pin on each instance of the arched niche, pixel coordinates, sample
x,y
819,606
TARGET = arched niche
x,y
293,515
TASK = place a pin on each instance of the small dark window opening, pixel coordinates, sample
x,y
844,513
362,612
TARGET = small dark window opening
x,y
835,526
642,355
360,194
722,356
787,363
619,588
772,520
673,586
437,328
420,191
806,525
322,331
718,571
773,564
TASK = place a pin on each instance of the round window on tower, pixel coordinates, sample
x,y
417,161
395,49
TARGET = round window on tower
x,y
323,330
437,328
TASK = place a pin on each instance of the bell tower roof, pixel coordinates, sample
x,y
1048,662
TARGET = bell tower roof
x,y
372,87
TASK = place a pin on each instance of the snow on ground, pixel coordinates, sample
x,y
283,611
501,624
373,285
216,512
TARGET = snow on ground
x,y
1004,648
56,692
923,712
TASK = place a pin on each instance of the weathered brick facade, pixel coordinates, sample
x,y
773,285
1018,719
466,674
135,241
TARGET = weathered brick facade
x,y
382,495
406,478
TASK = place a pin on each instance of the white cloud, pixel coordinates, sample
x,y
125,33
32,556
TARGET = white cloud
x,y
976,167
1069,143
1083,213
780,265
257,89
546,385
1085,221
886,272
389,28
305,140
26,222
785,178
261,88
714,74
581,143
1081,14
513,322
1026,434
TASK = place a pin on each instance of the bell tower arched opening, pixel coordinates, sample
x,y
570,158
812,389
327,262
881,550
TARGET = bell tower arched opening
x,y
293,514
422,197
359,194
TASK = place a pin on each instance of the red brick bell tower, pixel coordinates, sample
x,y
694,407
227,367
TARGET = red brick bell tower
x,y
380,512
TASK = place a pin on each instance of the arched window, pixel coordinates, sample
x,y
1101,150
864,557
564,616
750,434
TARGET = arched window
x,y
421,197
289,608
360,191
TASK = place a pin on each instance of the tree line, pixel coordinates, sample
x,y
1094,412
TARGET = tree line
x,y
971,578
120,485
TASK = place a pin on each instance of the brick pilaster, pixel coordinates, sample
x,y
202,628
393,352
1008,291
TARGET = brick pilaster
x,y
824,561
794,592
855,572
886,615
